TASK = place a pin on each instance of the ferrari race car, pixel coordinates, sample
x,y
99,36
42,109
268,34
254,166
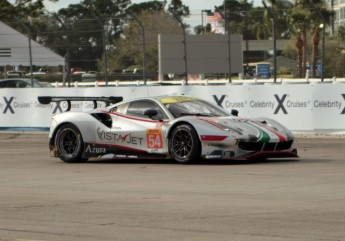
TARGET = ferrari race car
x,y
178,127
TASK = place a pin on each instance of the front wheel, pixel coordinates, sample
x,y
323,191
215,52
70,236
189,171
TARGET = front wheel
x,y
69,144
184,145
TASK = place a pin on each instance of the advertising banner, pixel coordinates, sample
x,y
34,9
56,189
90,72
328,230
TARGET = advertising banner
x,y
300,107
328,106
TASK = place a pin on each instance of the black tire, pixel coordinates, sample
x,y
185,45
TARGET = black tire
x,y
69,144
184,145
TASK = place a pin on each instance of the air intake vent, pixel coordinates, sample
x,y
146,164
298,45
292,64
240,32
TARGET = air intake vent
x,y
265,146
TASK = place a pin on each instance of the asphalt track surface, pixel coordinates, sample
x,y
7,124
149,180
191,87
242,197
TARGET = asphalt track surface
x,y
42,198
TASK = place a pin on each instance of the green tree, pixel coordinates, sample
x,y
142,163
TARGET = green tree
x,y
335,59
304,18
341,33
178,9
91,24
282,26
202,29
138,8
243,18
238,16
319,23
21,8
26,12
337,52
127,50
41,25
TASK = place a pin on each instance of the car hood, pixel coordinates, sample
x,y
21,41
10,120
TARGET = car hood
x,y
264,130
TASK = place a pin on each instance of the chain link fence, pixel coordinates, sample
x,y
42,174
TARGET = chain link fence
x,y
97,49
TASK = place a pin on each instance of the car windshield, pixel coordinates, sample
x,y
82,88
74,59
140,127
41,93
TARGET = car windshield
x,y
35,83
44,84
38,84
194,107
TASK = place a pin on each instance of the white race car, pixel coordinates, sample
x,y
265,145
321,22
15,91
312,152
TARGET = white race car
x,y
179,127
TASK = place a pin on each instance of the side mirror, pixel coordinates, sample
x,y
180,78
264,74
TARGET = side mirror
x,y
234,112
150,113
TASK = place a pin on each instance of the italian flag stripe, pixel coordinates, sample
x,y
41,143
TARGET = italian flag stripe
x,y
281,138
264,137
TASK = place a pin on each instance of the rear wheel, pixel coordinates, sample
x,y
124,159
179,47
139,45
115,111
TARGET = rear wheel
x,y
184,145
69,144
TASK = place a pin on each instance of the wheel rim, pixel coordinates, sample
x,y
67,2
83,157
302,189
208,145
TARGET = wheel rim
x,y
182,144
69,142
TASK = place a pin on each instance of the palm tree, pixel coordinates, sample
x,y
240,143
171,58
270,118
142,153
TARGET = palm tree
x,y
282,26
298,20
323,16
303,17
299,46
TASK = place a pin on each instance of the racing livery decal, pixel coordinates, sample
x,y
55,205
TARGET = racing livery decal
x,y
154,138
95,149
111,137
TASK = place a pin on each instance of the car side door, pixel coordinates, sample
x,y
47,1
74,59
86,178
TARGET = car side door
x,y
135,129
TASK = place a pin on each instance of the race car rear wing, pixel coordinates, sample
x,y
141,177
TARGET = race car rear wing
x,y
45,100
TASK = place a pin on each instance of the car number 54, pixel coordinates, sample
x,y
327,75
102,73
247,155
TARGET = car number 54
x,y
154,138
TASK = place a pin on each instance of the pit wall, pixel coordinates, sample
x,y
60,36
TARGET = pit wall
x,y
303,108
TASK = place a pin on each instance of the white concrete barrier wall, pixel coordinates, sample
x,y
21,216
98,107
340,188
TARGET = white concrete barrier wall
x,y
314,107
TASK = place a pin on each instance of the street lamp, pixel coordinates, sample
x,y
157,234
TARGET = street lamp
x,y
184,45
104,42
67,56
143,42
30,50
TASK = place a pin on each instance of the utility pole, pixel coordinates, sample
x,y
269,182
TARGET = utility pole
x,y
67,56
30,51
184,46
143,43
105,57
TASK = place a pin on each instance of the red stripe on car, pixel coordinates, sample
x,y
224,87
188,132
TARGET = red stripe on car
x,y
212,138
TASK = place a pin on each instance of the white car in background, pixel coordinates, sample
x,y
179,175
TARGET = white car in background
x,y
15,73
23,83
89,76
